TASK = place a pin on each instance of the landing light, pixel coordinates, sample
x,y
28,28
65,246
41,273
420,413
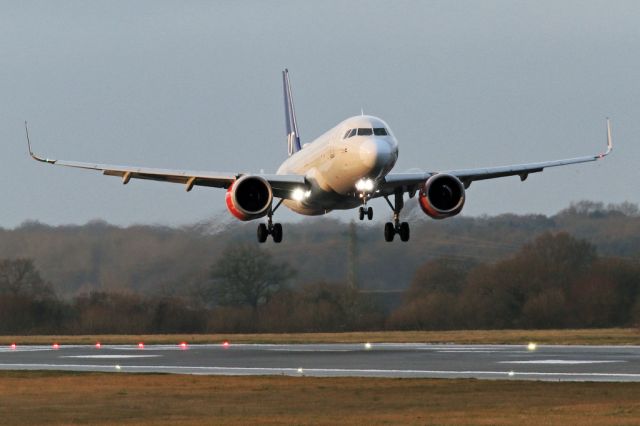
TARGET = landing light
x,y
364,185
532,346
300,194
367,346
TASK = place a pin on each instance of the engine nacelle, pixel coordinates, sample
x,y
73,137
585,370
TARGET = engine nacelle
x,y
442,196
249,197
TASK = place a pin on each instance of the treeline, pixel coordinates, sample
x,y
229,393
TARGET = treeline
x,y
555,281
158,261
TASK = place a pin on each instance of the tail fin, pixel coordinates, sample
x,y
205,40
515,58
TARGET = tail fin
x,y
293,137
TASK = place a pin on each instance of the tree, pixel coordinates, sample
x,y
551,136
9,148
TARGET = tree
x,y
20,277
246,275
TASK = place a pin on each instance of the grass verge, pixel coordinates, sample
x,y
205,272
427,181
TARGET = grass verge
x,y
141,399
609,336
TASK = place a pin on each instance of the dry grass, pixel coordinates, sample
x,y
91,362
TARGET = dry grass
x,y
99,398
610,336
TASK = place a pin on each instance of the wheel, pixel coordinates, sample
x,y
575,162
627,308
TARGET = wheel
x,y
277,233
389,231
361,213
404,231
370,213
263,233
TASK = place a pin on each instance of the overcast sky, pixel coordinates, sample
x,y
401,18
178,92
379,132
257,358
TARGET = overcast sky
x,y
197,85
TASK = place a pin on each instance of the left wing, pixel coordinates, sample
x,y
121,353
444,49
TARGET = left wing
x,y
282,185
409,182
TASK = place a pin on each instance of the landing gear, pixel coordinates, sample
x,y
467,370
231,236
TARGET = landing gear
x,y
270,228
397,227
368,212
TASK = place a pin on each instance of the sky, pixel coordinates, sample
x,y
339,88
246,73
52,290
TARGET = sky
x,y
197,85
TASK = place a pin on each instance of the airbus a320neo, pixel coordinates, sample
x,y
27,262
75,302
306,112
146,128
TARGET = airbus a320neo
x,y
342,169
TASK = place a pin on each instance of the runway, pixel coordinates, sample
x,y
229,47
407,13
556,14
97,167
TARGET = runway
x,y
409,360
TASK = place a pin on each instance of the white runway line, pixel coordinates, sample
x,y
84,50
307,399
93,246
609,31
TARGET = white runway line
x,y
311,371
110,356
560,362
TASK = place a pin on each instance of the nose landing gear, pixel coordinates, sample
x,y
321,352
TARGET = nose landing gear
x,y
368,212
270,228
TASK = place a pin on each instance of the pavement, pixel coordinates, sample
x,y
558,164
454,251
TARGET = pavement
x,y
406,360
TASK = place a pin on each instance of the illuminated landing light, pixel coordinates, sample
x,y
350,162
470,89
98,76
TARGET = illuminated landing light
x,y
367,346
511,374
98,345
532,346
300,194
13,346
225,344
183,345
118,367
300,370
140,345
364,185
55,346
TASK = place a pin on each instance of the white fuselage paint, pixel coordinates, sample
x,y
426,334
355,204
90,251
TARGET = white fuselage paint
x,y
332,165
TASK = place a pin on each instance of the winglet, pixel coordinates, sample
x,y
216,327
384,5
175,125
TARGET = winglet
x,y
609,141
34,156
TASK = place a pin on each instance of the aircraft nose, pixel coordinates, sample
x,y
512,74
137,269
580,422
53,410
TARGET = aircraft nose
x,y
376,153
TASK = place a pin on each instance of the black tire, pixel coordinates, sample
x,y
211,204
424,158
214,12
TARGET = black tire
x,y
370,213
404,231
277,233
361,213
263,233
389,232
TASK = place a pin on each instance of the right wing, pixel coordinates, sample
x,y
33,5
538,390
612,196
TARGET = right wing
x,y
409,182
282,185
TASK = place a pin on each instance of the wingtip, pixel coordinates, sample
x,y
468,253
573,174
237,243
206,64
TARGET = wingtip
x,y
609,140
31,154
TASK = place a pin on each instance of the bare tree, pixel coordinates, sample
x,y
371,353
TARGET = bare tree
x,y
246,275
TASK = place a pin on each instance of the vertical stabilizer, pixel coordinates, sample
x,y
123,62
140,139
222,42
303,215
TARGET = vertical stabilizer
x,y
293,137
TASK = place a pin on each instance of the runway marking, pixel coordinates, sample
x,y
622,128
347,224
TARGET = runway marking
x,y
560,361
310,371
312,350
110,356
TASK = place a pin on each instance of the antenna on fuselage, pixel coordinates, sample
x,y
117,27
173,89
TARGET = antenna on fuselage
x,y
362,111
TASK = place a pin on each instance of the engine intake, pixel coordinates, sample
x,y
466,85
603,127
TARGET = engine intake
x,y
249,197
442,196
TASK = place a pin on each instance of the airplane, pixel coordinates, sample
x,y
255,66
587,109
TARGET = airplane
x,y
342,169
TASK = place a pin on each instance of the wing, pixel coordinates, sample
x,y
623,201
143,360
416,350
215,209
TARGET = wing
x,y
282,185
409,182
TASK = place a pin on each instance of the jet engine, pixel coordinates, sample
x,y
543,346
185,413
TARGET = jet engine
x,y
442,196
249,197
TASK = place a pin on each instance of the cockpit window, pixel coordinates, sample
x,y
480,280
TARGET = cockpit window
x,y
380,131
365,132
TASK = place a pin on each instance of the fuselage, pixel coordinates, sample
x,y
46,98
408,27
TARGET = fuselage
x,y
359,148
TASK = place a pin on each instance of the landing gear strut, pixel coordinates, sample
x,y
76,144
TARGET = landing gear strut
x,y
270,228
397,227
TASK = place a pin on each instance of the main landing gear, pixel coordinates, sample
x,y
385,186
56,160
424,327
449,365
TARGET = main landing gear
x,y
397,227
270,228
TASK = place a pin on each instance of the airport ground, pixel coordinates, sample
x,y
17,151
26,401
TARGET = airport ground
x,y
606,336
102,398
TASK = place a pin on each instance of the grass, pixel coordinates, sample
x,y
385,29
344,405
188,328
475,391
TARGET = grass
x,y
101,398
609,336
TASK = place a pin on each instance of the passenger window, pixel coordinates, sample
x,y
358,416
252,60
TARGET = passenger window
x,y
380,131
365,132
